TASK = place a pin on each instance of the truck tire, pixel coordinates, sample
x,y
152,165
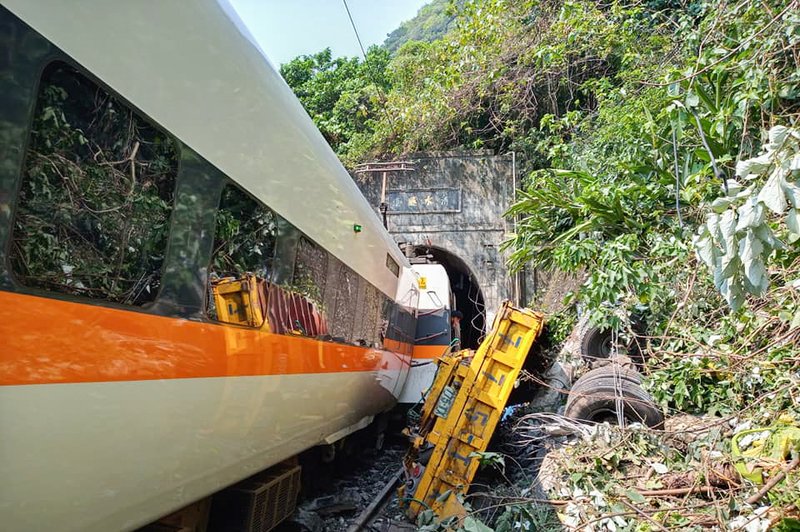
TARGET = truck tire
x,y
597,343
607,373
595,400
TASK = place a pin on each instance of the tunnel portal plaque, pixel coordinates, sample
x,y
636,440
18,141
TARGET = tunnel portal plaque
x,y
424,201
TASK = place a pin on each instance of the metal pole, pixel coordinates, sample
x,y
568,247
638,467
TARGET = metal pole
x,y
518,277
383,207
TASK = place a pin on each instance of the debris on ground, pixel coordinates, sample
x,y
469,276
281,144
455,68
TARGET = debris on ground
x,y
692,472
545,471
349,494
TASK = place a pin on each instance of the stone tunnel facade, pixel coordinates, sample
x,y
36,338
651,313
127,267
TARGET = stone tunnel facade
x,y
452,203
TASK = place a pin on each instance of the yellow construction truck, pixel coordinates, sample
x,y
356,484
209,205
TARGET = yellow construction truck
x,y
460,413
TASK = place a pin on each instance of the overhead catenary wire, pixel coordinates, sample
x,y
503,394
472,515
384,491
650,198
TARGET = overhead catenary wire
x,y
355,30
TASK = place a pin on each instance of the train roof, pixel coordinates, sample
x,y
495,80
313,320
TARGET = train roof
x,y
195,70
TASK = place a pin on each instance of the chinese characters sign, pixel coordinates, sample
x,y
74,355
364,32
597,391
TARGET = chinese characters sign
x,y
424,200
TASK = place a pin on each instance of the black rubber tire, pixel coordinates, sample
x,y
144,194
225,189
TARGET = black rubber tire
x,y
596,343
608,372
594,400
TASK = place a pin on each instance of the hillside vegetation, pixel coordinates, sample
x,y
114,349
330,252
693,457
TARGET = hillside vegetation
x,y
661,145
431,22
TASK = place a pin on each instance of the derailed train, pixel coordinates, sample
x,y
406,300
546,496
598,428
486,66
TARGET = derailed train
x,y
145,152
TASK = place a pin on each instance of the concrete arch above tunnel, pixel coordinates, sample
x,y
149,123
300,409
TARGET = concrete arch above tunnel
x,y
467,293
451,206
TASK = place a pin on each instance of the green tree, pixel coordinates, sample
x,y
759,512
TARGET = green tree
x,y
431,22
342,95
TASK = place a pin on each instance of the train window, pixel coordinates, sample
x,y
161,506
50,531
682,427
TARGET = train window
x,y
310,271
370,310
392,265
343,283
242,259
244,240
285,252
97,191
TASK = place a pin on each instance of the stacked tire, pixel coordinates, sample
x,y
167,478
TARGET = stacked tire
x,y
599,394
599,344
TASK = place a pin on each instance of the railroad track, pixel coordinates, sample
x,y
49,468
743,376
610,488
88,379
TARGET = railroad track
x,y
369,514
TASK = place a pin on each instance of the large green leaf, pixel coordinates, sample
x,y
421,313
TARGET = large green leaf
x,y
751,214
473,525
751,254
727,229
792,192
751,168
772,194
793,223
777,136
704,247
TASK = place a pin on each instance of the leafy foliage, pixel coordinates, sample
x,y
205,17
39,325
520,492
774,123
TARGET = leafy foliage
x,y
244,240
656,153
342,95
97,193
736,241
638,125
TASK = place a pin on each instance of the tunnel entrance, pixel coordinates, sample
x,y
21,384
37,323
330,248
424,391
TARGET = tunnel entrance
x,y
468,296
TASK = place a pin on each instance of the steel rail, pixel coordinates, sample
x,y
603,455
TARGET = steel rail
x,y
365,518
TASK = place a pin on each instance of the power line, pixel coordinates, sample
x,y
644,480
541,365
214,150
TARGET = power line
x,y
354,29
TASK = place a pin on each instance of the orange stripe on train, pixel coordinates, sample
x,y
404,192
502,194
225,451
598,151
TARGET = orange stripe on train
x,y
429,351
45,341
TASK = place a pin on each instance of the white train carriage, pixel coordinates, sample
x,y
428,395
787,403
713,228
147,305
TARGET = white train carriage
x,y
147,149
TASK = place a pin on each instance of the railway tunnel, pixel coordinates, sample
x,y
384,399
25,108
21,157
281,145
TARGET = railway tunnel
x,y
450,206
468,296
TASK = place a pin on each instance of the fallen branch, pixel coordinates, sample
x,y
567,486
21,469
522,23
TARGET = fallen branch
x,y
774,480
132,159
644,515
680,491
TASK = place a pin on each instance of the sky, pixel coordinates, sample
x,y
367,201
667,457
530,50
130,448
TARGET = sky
x,y
287,28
